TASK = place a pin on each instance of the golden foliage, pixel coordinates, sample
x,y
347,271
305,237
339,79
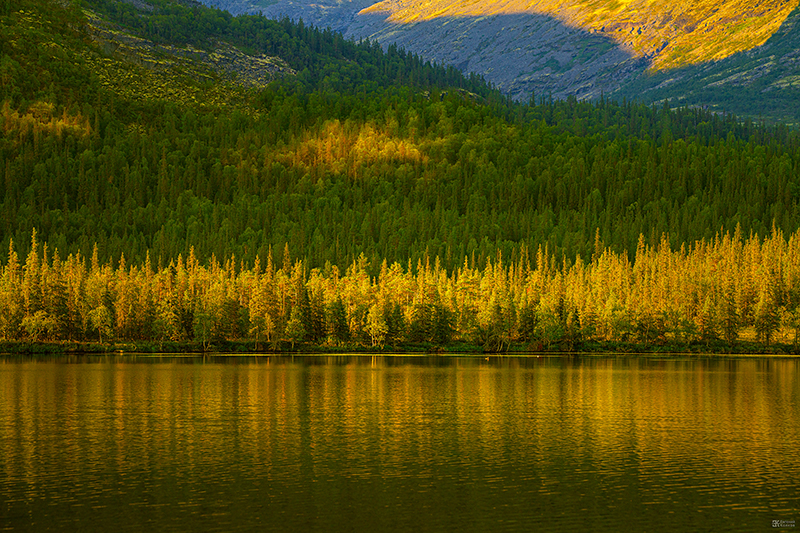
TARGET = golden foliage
x,y
731,287
346,147
39,118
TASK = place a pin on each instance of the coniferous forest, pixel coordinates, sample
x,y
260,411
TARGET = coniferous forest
x,y
362,196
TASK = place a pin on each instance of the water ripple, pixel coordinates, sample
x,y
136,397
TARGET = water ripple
x,y
348,443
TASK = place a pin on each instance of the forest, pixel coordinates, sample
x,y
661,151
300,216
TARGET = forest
x,y
405,201
725,289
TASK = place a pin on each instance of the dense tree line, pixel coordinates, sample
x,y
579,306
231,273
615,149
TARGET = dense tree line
x,y
715,289
394,177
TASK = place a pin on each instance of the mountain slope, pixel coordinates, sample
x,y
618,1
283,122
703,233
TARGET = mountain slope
x,y
396,191
762,82
668,33
577,47
138,69
521,54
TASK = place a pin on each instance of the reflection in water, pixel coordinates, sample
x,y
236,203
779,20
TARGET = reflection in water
x,y
376,443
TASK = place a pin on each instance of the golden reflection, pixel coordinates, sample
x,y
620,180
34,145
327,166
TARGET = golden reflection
x,y
738,418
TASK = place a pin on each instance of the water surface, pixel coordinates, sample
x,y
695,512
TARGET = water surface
x,y
361,443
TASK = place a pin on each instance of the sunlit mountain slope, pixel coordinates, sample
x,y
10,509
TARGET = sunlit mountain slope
x,y
669,33
763,82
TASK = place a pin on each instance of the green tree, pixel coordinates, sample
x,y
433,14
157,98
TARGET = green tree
x,y
706,321
295,330
395,323
101,321
729,316
767,317
337,321
376,326
442,323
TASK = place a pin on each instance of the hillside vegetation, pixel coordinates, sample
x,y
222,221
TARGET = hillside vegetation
x,y
348,159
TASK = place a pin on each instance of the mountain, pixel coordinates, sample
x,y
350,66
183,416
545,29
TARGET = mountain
x,y
577,47
667,33
762,82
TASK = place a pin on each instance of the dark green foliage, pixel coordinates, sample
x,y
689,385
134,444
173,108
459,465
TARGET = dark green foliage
x,y
432,323
337,321
766,318
443,329
730,322
312,316
421,328
395,324
528,323
229,185
40,54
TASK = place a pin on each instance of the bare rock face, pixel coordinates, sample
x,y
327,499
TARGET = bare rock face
x,y
521,54
335,14
560,47
762,83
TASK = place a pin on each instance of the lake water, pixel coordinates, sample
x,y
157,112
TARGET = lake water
x,y
361,443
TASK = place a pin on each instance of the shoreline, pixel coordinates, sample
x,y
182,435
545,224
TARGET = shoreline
x,y
722,348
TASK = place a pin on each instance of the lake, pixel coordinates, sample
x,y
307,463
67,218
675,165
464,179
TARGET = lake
x,y
362,443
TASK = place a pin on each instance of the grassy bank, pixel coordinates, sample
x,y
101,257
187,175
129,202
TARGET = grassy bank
x,y
250,347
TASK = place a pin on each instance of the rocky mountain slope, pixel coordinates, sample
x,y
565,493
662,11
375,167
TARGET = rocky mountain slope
x,y
562,47
668,33
523,54
763,82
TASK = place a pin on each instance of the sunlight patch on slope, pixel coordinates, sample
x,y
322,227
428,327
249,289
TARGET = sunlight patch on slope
x,y
347,147
39,118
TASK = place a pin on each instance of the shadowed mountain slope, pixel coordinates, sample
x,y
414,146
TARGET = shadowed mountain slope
x,y
521,54
153,128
